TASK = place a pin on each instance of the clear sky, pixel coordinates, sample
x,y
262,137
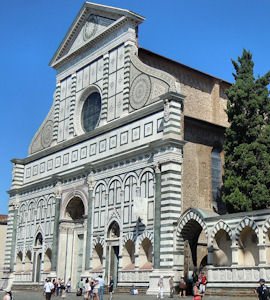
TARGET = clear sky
x,y
204,34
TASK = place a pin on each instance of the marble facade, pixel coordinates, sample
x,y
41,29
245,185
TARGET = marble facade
x,y
125,198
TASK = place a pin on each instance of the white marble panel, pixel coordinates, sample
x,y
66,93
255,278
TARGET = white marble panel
x,y
95,223
100,69
60,132
62,109
67,108
112,84
102,218
120,81
79,80
118,105
150,211
112,61
86,71
69,82
126,214
66,129
93,72
63,89
111,109
120,57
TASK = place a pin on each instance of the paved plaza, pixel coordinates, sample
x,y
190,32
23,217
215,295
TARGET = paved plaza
x,y
26,295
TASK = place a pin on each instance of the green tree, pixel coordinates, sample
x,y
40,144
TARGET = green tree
x,y
247,140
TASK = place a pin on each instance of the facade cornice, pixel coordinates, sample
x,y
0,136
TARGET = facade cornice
x,y
101,163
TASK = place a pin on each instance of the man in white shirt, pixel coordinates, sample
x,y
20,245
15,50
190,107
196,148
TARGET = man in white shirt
x,y
101,287
48,287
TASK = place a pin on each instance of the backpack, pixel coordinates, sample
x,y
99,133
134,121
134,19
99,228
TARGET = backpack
x,y
265,293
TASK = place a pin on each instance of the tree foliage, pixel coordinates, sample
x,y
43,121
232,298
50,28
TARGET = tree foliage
x,y
247,140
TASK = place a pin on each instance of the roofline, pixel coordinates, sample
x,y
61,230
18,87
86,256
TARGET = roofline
x,y
92,5
185,66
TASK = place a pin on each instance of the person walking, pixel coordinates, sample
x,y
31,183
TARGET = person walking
x,y
48,288
96,289
171,286
69,285
182,287
111,287
160,287
262,290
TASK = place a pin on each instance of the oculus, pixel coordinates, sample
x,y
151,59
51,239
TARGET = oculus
x,y
91,111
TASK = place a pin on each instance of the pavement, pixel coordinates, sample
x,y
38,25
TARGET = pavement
x,y
27,295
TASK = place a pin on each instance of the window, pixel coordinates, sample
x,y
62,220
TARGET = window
x,y
91,111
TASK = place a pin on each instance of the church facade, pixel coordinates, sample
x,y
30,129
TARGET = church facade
x,y
122,178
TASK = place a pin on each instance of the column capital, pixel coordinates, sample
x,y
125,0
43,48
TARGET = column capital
x,y
157,166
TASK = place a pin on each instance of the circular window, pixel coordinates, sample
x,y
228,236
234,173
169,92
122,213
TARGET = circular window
x,y
91,111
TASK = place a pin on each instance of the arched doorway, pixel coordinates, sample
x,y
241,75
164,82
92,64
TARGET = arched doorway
x,y
38,258
112,258
191,243
71,240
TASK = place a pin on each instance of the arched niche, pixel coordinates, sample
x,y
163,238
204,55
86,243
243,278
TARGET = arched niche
x,y
222,252
19,265
47,261
28,262
113,230
75,210
39,240
97,257
248,253
128,257
146,255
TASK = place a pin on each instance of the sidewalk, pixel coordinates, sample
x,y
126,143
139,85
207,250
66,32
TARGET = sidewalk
x,y
26,295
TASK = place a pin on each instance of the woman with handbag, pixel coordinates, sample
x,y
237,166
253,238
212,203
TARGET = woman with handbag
x,y
196,291
182,287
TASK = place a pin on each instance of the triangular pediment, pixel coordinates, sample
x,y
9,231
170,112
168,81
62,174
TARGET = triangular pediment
x,y
93,21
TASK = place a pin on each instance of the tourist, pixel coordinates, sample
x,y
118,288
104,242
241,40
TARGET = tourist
x,y
111,287
64,292
101,287
62,286
203,282
48,288
262,290
194,277
69,285
54,287
196,291
86,289
96,289
58,283
182,287
80,286
171,286
160,287
8,295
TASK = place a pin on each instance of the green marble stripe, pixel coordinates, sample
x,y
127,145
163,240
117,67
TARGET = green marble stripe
x,y
171,185
171,131
89,231
172,172
157,221
14,236
55,235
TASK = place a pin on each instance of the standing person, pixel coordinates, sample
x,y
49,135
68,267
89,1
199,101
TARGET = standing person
x,y
69,285
81,286
160,287
203,282
101,287
8,295
182,287
111,287
62,286
196,291
262,290
171,286
96,289
58,283
48,287
54,287
86,289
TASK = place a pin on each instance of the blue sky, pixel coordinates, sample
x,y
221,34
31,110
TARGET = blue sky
x,y
204,34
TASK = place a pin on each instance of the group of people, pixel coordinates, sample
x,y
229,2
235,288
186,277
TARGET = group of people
x,y
198,288
57,288
94,288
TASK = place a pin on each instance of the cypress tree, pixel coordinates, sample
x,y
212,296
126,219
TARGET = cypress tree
x,y
247,140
